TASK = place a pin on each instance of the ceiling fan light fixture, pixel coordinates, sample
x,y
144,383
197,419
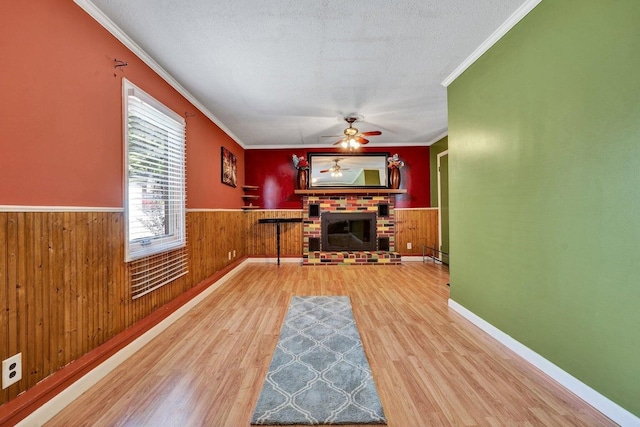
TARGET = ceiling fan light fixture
x,y
353,138
350,131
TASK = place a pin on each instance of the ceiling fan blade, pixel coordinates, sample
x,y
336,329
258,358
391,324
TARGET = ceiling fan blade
x,y
361,140
325,171
338,142
371,133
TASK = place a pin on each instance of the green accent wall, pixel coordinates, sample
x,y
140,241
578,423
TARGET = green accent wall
x,y
435,149
371,177
544,163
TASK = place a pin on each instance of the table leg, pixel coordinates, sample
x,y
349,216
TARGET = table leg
x,y
278,240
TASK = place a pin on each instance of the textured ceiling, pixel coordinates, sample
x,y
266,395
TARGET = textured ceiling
x,y
280,73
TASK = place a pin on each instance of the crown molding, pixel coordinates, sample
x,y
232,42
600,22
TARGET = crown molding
x,y
439,137
110,26
314,146
507,25
383,145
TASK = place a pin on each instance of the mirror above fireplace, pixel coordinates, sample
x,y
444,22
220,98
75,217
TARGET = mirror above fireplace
x,y
337,170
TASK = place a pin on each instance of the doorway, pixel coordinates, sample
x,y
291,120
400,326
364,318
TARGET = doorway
x,y
443,206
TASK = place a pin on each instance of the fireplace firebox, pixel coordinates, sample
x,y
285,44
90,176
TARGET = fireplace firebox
x,y
348,231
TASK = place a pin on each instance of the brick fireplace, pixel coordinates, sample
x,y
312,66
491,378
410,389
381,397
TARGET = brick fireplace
x,y
381,246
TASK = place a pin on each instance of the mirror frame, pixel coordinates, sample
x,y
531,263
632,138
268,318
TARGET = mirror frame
x,y
319,161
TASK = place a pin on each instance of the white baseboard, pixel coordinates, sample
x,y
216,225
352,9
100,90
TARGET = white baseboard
x,y
273,260
405,258
412,258
609,408
47,411
420,258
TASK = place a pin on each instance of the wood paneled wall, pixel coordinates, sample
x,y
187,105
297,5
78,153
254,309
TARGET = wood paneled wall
x,y
64,285
65,288
418,227
212,235
261,238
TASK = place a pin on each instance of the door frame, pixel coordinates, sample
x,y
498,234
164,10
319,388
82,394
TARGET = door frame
x,y
439,156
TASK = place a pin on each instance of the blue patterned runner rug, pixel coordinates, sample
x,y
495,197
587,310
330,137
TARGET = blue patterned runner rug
x,y
319,373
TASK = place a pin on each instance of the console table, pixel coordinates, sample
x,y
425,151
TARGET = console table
x,y
277,222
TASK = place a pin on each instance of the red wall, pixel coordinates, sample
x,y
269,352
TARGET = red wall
x,y
61,114
273,171
61,122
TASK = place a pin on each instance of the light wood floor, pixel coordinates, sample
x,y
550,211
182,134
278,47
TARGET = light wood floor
x,y
431,366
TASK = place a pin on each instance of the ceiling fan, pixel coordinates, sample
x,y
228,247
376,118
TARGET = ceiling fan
x,y
336,170
353,138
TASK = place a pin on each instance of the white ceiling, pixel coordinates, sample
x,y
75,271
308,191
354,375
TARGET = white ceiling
x,y
280,73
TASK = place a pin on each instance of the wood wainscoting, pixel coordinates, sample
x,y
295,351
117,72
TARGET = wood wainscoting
x,y
261,238
415,226
65,288
418,227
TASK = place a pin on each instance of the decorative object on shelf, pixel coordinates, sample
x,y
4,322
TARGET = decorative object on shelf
x,y
301,164
303,176
229,168
248,199
394,164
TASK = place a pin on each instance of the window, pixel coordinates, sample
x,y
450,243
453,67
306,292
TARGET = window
x,y
155,193
154,176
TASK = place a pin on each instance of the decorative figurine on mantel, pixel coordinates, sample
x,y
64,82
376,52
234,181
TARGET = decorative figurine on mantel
x,y
394,164
302,165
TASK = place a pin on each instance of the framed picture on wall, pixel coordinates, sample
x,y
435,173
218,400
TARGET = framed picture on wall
x,y
229,168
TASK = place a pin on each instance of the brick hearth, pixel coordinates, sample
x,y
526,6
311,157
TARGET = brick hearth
x,y
352,258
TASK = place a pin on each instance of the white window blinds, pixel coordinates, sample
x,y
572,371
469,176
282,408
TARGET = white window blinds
x,y
155,183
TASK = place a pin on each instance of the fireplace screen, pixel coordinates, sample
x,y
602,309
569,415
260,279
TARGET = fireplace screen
x,y
348,231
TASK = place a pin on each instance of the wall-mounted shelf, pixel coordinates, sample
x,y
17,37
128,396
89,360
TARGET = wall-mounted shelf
x,y
317,191
246,198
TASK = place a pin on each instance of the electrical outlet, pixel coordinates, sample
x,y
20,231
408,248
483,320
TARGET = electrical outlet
x,y
11,370
234,253
409,246
229,254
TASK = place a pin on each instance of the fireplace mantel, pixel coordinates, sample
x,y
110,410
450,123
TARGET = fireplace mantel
x,y
339,191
